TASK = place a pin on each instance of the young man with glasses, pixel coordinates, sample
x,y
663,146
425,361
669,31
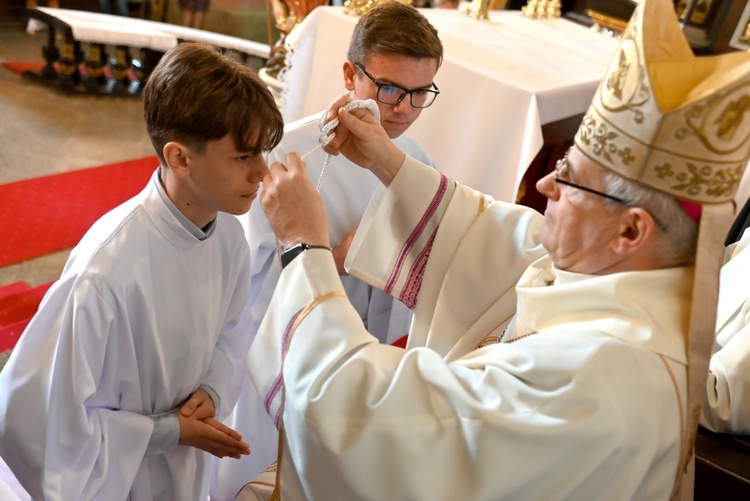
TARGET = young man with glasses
x,y
558,357
394,54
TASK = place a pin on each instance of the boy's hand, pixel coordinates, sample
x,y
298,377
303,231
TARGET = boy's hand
x,y
199,429
211,436
199,402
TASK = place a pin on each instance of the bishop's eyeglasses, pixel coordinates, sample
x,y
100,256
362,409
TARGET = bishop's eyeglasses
x,y
562,176
393,94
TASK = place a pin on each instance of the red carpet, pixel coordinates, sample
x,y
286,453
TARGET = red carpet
x,y
19,68
48,214
18,303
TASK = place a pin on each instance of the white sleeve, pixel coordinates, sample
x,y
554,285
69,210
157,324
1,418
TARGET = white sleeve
x,y
56,439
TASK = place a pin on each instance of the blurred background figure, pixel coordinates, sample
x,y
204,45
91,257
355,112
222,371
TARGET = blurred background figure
x,y
35,25
108,7
422,4
193,12
446,4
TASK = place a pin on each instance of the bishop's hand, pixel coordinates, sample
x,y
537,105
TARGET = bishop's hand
x,y
292,205
361,139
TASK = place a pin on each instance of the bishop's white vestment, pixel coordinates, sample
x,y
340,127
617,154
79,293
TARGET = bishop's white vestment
x,y
143,314
727,405
581,399
346,190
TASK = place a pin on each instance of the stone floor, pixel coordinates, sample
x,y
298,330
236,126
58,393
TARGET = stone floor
x,y
43,131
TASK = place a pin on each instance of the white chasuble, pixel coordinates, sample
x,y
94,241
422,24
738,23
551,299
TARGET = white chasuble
x,y
585,407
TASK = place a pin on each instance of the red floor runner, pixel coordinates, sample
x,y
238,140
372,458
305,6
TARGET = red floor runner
x,y
18,303
48,214
19,67
10,334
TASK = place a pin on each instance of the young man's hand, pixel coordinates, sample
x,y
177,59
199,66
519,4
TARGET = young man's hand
x,y
200,429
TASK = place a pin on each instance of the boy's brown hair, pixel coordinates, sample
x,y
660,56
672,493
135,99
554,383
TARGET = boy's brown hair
x,y
198,94
397,28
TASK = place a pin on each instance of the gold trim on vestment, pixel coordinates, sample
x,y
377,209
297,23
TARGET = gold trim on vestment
x,y
682,426
306,311
276,494
487,341
481,204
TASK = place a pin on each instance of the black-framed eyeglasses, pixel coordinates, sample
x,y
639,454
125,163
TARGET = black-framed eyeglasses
x,y
561,172
393,94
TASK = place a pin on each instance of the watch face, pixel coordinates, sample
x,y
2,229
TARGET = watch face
x,y
292,252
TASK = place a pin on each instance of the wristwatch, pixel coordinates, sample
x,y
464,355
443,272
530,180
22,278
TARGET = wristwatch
x,y
292,252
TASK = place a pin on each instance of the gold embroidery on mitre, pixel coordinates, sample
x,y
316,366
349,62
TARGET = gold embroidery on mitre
x,y
702,180
626,88
603,141
616,80
669,120
731,118
719,121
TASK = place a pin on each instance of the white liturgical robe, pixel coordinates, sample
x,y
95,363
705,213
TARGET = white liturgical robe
x,y
143,314
346,190
727,406
581,399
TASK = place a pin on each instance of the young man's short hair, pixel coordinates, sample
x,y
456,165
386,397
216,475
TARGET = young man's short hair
x,y
397,28
198,94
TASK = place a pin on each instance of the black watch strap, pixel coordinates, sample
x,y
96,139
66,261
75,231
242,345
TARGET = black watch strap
x,y
292,252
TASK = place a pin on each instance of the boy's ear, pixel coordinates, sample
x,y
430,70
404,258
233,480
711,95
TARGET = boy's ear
x,y
176,156
350,72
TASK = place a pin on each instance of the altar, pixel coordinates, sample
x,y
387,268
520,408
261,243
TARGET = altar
x,y
501,80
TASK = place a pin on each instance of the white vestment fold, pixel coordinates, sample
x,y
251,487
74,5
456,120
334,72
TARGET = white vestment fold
x,y
727,406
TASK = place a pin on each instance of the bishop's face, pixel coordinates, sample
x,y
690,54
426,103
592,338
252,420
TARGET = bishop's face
x,y
403,71
580,226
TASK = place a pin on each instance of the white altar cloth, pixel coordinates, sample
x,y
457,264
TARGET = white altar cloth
x,y
118,30
500,81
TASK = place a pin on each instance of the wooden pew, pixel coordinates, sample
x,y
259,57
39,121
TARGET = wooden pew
x,y
722,466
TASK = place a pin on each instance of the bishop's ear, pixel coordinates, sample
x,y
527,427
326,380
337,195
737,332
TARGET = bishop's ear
x,y
637,228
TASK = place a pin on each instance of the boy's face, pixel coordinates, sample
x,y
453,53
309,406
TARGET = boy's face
x,y
407,72
222,179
